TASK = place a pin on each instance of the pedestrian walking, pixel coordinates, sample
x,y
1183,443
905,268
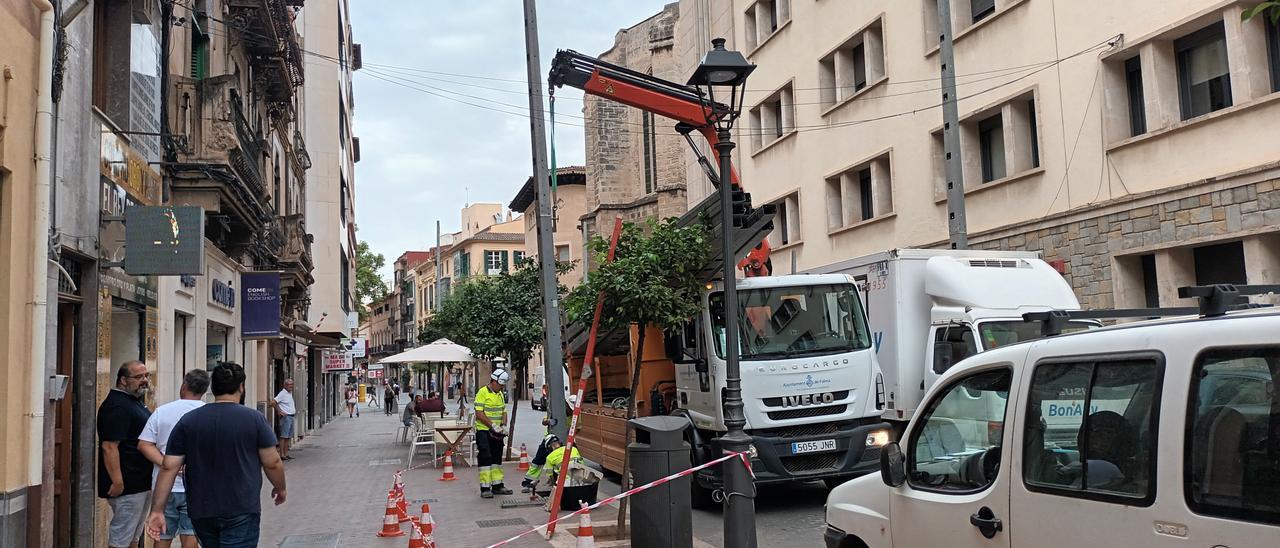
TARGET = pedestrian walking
x,y
124,473
154,441
388,399
491,419
225,448
286,412
352,400
371,396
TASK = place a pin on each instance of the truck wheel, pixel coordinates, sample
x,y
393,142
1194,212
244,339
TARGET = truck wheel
x,y
699,497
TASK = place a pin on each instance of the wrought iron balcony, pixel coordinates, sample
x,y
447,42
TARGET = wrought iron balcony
x,y
267,28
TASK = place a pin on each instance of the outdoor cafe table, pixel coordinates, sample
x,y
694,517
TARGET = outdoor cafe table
x,y
453,434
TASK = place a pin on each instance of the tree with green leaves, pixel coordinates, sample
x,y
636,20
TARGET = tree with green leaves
x,y
1270,7
497,316
369,286
652,281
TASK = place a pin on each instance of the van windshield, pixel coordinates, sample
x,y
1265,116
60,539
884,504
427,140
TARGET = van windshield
x,y
1006,332
783,322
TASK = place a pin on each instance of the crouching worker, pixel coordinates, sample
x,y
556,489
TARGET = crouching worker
x,y
549,470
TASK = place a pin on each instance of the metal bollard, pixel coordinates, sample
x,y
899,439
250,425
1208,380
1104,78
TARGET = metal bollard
x,y
661,516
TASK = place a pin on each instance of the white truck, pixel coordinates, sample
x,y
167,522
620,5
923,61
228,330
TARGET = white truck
x,y
929,309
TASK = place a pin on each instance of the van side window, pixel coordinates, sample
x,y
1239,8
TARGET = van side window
x,y
957,447
1233,434
1091,430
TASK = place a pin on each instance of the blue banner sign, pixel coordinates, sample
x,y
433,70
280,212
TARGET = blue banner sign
x,y
259,305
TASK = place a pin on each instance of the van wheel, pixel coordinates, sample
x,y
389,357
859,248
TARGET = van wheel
x,y
699,497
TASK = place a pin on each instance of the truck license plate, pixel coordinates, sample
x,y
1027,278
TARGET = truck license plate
x,y
812,446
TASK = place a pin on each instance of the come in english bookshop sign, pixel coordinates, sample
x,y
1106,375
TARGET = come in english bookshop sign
x,y
260,305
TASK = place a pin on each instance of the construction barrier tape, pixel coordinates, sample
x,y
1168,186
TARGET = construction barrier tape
x,y
741,455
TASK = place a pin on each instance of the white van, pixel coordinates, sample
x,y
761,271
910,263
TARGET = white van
x,y
1160,433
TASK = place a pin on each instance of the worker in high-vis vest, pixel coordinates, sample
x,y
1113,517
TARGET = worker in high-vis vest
x,y
491,420
551,470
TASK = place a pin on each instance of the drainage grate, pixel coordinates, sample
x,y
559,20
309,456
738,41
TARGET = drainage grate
x,y
318,540
383,462
381,433
427,501
510,522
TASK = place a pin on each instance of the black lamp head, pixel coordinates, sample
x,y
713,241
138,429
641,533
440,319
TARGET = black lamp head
x,y
721,67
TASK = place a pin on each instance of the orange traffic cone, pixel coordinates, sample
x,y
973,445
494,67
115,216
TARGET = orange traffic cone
x,y
586,536
390,519
524,459
402,506
415,537
448,468
425,521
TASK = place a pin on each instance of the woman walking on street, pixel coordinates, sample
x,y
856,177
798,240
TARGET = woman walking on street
x,y
352,399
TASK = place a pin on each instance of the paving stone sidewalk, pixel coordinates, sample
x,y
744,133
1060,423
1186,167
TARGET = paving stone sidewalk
x,y
338,482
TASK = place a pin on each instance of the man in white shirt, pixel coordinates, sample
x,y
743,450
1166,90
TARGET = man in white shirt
x,y
155,439
284,406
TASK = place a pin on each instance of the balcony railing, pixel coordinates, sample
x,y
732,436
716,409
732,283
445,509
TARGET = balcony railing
x,y
247,160
268,27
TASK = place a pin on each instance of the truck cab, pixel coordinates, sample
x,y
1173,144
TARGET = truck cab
x,y
810,383
1156,433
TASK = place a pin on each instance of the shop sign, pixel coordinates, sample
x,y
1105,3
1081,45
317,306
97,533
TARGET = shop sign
x,y
260,315
335,360
164,240
222,293
138,289
127,169
375,373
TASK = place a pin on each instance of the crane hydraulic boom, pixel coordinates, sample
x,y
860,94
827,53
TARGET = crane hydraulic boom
x,y
685,104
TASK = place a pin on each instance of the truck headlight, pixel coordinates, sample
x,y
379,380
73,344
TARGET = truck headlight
x,y
877,438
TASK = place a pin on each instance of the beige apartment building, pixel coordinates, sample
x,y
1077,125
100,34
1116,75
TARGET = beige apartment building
x,y
334,148
1132,143
570,201
489,243
425,287
22,426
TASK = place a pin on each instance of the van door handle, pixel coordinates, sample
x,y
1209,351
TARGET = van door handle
x,y
986,522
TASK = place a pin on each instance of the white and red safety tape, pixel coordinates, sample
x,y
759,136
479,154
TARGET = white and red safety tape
x,y
744,456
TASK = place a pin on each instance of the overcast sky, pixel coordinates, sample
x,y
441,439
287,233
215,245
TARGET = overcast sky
x,y
423,156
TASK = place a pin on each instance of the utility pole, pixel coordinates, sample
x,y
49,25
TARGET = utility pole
x,y
435,303
957,226
552,360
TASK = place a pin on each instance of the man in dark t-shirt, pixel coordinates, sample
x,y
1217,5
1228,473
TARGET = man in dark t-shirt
x,y
124,473
225,447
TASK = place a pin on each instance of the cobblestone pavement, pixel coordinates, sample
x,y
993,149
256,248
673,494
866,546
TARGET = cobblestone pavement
x,y
339,479
338,482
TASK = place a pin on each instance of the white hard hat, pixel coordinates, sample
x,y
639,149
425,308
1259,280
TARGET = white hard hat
x,y
499,375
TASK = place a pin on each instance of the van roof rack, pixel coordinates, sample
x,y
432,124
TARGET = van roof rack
x,y
1214,300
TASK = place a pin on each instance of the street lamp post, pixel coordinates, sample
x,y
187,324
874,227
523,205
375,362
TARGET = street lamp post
x,y
723,69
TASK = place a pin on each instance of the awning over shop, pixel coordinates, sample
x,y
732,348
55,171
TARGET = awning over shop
x,y
308,337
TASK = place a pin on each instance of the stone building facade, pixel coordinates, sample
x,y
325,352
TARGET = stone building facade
x,y
635,160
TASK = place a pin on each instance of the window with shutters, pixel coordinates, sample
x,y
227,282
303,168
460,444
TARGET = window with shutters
x,y
854,65
773,118
762,20
200,47
861,193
